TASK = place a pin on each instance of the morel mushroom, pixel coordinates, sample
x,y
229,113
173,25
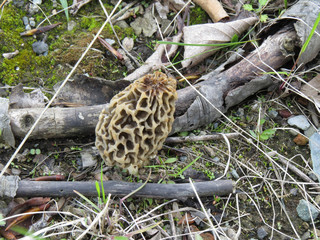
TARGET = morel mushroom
x,y
132,130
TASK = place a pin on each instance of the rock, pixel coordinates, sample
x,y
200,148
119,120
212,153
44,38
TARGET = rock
x,y
38,2
294,131
25,20
294,191
314,144
272,114
54,3
303,210
301,140
122,24
235,174
284,113
310,131
306,236
28,27
299,121
262,233
18,3
87,159
32,22
71,25
40,48
110,41
312,176
128,43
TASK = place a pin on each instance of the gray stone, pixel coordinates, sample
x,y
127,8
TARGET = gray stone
x,y
310,131
18,3
28,27
312,176
110,41
235,174
262,233
25,20
122,24
314,144
299,121
38,2
32,22
303,210
294,131
54,3
294,191
87,159
71,25
40,48
273,114
306,236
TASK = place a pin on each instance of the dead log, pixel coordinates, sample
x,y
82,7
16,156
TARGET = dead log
x,y
192,110
56,122
150,190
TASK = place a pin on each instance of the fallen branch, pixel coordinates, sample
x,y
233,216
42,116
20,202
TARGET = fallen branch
x,y
150,190
217,136
224,90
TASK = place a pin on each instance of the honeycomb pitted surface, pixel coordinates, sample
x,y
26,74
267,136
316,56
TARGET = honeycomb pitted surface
x,y
139,118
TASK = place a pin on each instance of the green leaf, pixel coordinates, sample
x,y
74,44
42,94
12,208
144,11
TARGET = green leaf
x,y
262,121
266,134
315,25
263,2
197,237
38,151
183,134
32,151
120,238
171,160
247,7
263,18
64,4
235,38
98,189
253,134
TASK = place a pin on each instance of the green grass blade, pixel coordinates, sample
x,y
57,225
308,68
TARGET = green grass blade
x,y
315,25
64,4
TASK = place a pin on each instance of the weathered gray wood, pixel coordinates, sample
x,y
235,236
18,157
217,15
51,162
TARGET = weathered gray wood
x,y
150,190
192,110
56,122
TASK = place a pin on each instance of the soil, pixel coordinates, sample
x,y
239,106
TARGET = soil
x,y
263,198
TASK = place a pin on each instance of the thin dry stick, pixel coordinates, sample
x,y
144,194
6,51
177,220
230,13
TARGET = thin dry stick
x,y
218,136
4,1
97,218
57,92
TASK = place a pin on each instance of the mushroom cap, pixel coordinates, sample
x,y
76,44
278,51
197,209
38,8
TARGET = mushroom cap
x,y
132,130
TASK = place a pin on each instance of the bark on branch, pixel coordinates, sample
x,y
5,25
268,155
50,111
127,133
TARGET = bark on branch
x,y
192,110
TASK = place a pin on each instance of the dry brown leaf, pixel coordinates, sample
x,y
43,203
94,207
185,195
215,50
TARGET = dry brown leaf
x,y
213,8
312,90
211,33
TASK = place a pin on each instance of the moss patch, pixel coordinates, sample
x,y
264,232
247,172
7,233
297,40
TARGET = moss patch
x,y
198,16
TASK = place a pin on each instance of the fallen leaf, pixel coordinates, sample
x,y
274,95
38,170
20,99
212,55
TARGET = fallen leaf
x,y
213,8
312,90
211,33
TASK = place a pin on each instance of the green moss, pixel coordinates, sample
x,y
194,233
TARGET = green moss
x,y
198,16
89,23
